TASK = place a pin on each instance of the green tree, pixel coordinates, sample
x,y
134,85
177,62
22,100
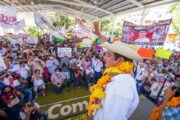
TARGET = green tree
x,y
175,10
113,25
60,20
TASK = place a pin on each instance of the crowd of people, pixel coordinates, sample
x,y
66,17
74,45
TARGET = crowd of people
x,y
26,69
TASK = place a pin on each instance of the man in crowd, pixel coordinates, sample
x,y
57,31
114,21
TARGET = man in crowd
x,y
97,65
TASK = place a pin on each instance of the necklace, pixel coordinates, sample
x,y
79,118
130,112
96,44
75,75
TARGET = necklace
x,y
98,90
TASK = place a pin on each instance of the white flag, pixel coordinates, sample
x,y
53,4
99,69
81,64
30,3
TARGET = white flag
x,y
63,31
18,25
41,21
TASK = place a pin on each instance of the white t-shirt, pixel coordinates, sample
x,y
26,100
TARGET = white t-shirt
x,y
90,70
23,71
98,65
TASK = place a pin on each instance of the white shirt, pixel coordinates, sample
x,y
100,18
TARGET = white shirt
x,y
141,74
52,65
98,66
121,99
23,71
90,70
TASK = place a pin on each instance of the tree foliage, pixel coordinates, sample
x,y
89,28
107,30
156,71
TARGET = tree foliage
x,y
113,25
60,20
175,10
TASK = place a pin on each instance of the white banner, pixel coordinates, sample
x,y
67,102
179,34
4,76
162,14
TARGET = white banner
x,y
31,40
62,52
7,16
18,25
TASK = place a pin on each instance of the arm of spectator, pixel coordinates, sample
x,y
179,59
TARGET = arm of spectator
x,y
3,114
76,74
42,63
97,32
62,82
32,78
169,93
52,79
81,73
27,67
6,62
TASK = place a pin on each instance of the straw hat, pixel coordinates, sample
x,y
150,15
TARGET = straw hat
x,y
123,49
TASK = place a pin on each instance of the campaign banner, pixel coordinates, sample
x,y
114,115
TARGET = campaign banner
x,y
62,52
154,34
7,16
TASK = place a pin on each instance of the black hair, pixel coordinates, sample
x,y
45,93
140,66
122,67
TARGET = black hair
x,y
177,76
116,56
57,69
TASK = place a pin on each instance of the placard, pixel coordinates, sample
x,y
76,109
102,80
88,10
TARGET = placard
x,y
62,52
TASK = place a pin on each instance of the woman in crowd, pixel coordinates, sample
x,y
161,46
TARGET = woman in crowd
x,y
38,82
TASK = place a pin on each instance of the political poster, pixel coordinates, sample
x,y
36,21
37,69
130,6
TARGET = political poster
x,y
154,34
7,16
62,52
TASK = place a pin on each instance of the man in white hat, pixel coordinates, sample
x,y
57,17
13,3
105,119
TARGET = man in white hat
x,y
115,96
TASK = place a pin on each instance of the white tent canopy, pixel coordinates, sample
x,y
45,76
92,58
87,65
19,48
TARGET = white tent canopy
x,y
87,9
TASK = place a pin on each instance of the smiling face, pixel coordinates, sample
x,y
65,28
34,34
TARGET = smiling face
x,y
110,59
142,34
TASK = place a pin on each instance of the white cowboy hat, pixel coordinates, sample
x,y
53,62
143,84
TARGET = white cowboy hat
x,y
123,49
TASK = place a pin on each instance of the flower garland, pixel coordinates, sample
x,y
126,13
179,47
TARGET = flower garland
x,y
156,112
98,90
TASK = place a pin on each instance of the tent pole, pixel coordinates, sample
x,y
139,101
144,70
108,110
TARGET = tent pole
x,y
143,16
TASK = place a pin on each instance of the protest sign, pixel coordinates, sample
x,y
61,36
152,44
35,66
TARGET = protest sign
x,y
62,52
154,34
86,43
7,16
31,40
16,40
163,53
146,53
